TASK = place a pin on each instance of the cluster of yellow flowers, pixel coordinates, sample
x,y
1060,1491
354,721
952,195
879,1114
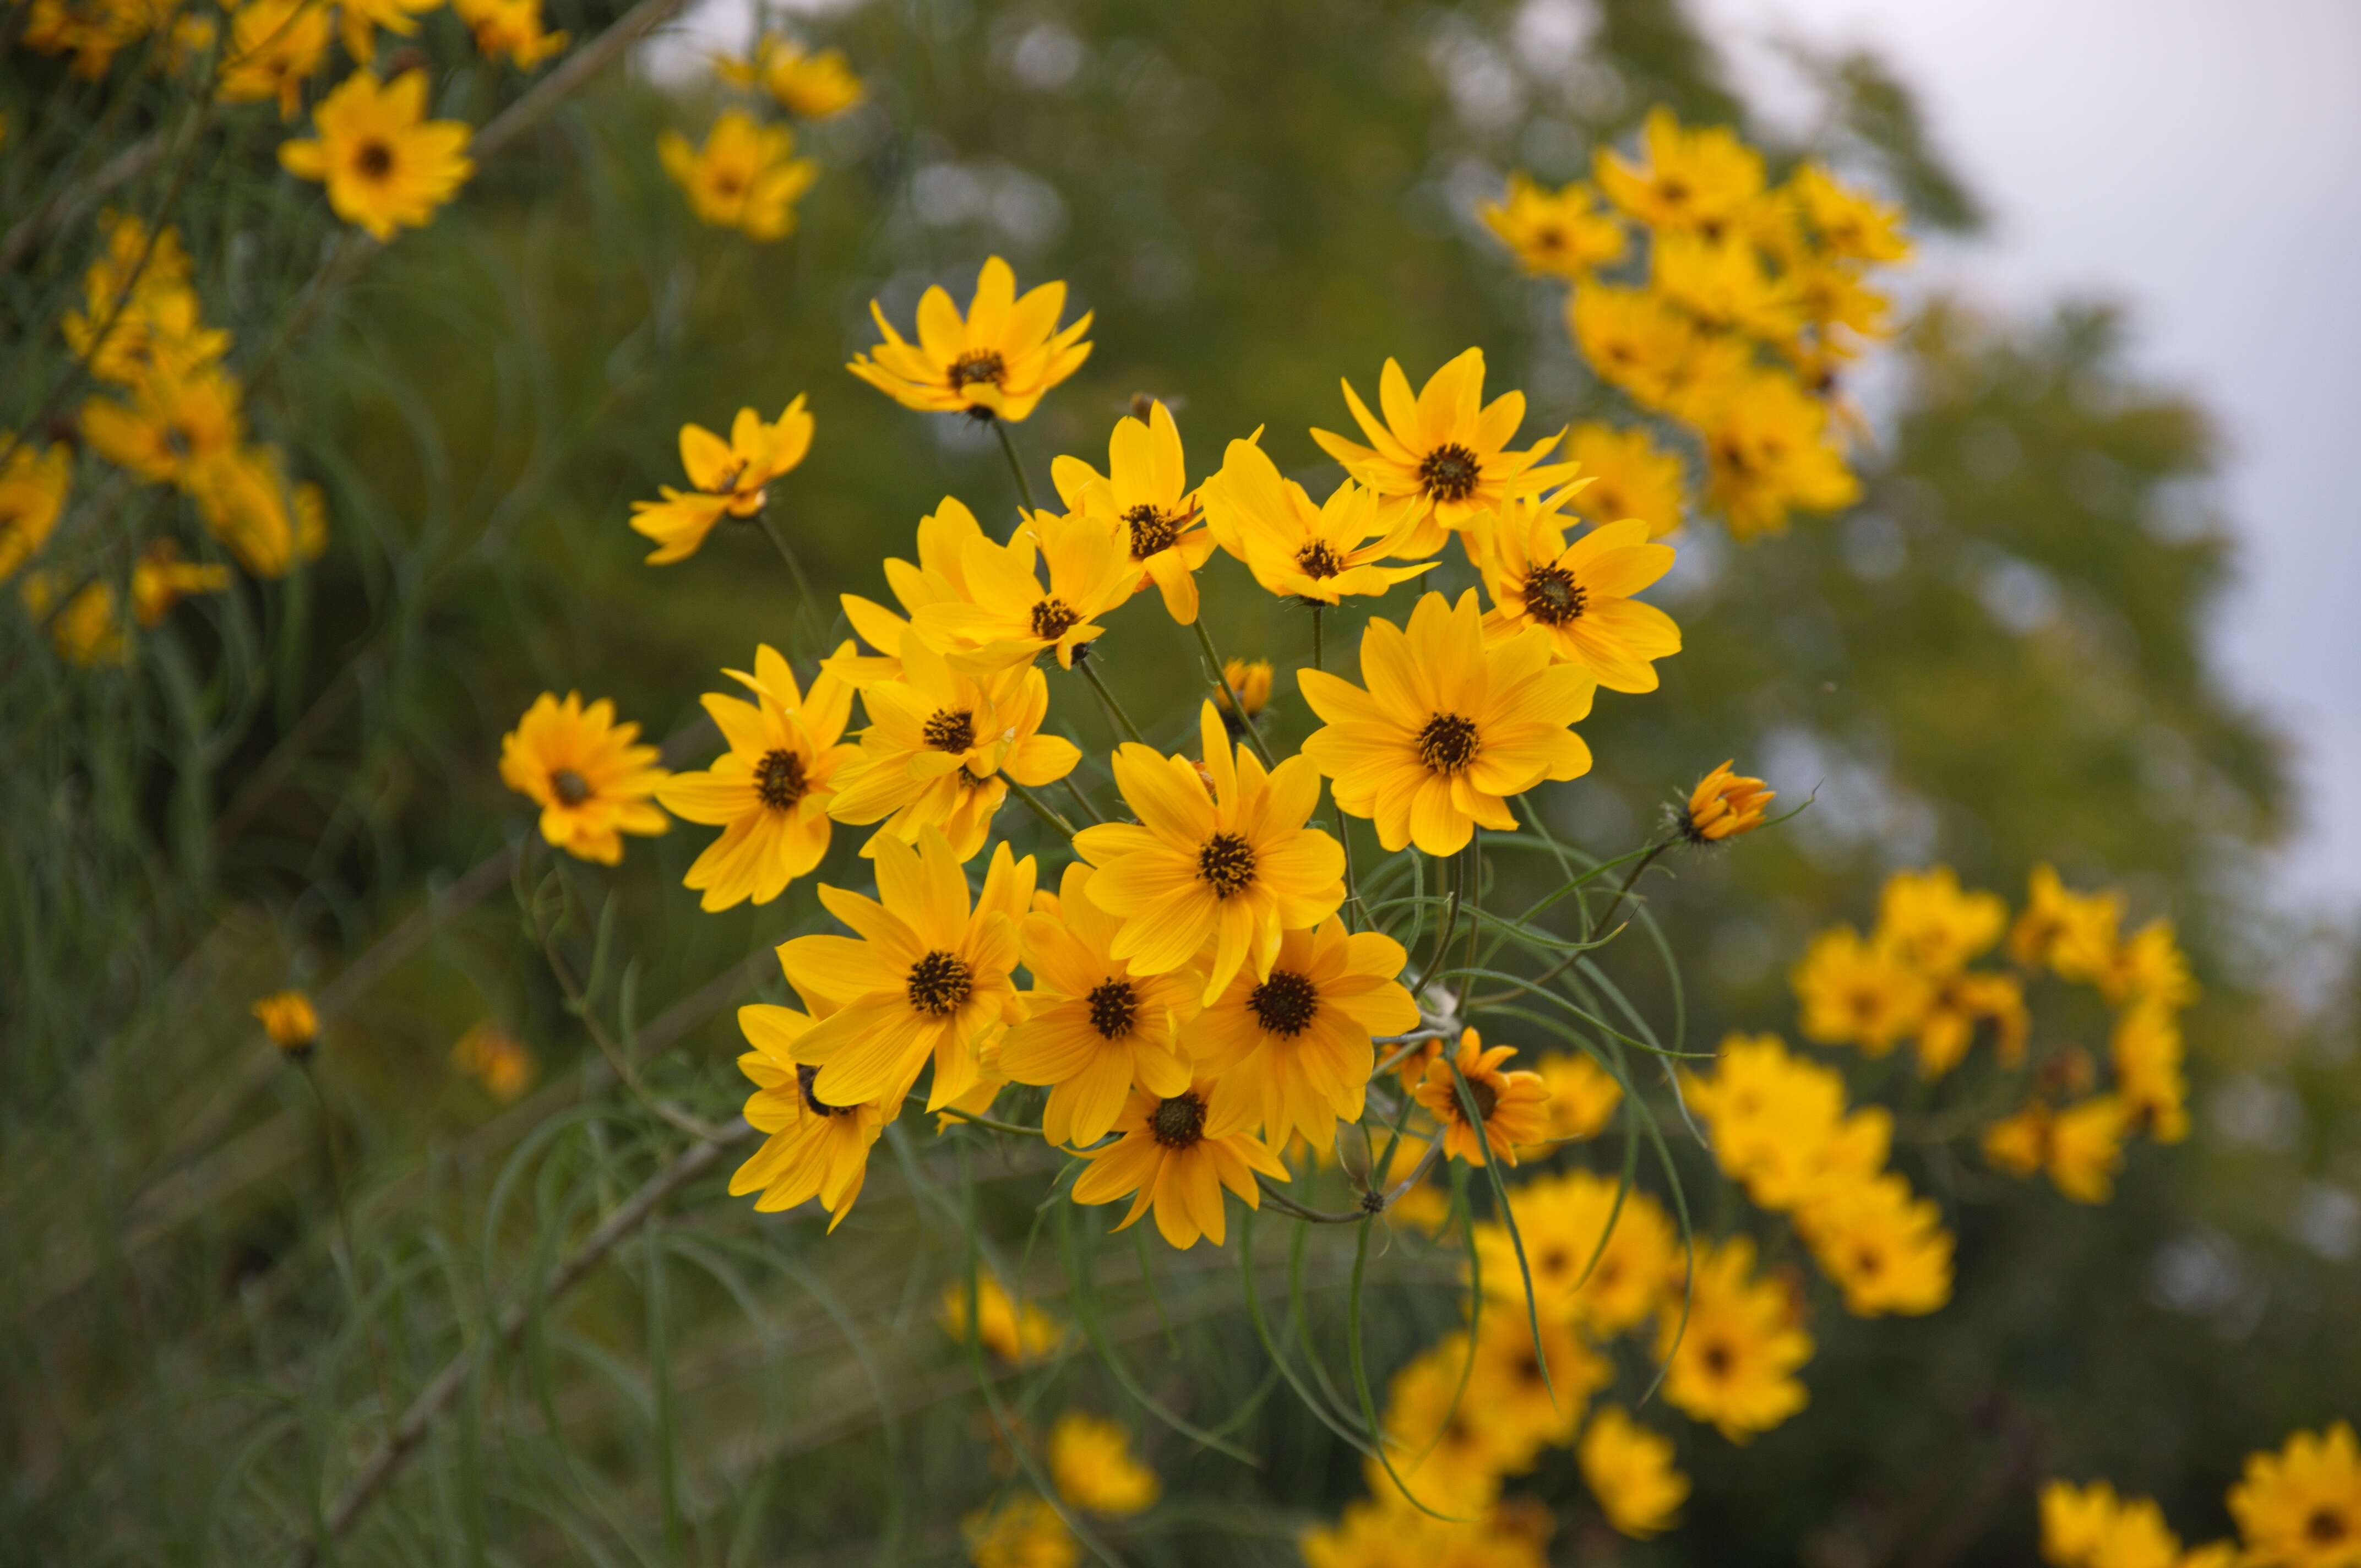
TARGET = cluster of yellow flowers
x,y
2299,1508
1909,978
1749,302
746,176
1094,1472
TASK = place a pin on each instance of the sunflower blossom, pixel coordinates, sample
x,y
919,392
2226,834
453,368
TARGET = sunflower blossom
x,y
32,496
1631,1471
1555,234
746,176
2300,1507
1627,476
1446,728
1316,554
1578,594
814,1147
1700,180
1733,1361
1176,1154
1227,865
939,576
510,28
810,85
1511,1105
727,479
386,165
1092,1464
1007,616
995,363
1144,499
591,782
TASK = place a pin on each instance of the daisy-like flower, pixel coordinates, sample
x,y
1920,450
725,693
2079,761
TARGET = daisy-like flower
x,y
924,978
1561,1220
1446,728
274,48
1007,616
770,792
1935,923
510,28
495,1059
942,748
1850,224
161,580
1886,1248
358,22
591,782
1297,1041
2147,1051
2073,933
1448,1457
1632,340
1700,180
85,628
1579,595
814,1147
1631,1471
170,427
1019,1332
1964,1004
810,85
993,364
1526,1406
1230,866
1176,1154
32,495
1023,1532
1625,476
386,165
290,1021
1316,554
1555,234
1723,805
1446,449
1250,679
1582,1096
727,479
1511,1105
1092,1029
2300,1507
939,575
246,503
746,176
1092,1464
1858,992
1734,1361
1144,498
1725,284
1768,452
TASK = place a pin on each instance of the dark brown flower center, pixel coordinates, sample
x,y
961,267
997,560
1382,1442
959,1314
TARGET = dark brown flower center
x,y
1450,472
1115,1007
1548,238
1869,1261
571,787
1717,1360
804,1074
938,983
977,365
1319,559
1228,861
374,161
1672,192
1152,531
779,779
949,730
2326,1527
1052,617
970,779
1180,1121
1481,1091
1552,595
1285,1003
1449,744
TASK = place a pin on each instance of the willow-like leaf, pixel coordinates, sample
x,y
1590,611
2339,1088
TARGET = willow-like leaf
x,y
1508,1217
1361,1379
1271,1346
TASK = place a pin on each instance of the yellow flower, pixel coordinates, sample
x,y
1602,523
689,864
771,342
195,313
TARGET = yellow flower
x,y
1886,1249
1092,1465
1228,867
1560,234
1778,1122
1851,223
1393,1534
2149,967
1144,498
1723,805
357,21
1446,450
939,575
591,782
1250,679
1767,449
1560,1219
161,580
1511,1105
510,28
1734,1361
1694,180
1929,920
1177,1153
1448,1455
814,86
171,428
2146,1049
1634,340
386,165
290,1021
1297,1042
1582,1096
1858,992
814,1148
157,331
1023,1533
2094,1529
2075,1521
1017,1332
32,496
1578,595
274,48
2072,933
86,629
1316,554
1523,1411
942,748
246,503
1092,1029
92,34
496,1058
994,364
1724,284
1965,1003
770,791
1631,1471
1446,728
746,176
2084,1148
2300,1507
1005,616
927,977
729,479
1627,476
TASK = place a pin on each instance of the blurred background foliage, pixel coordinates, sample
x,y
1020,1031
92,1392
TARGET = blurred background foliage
x,y
1999,658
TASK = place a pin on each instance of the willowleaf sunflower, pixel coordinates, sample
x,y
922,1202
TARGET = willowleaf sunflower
x,y
2300,1507
727,479
745,177
386,165
1176,1154
591,781
1578,594
938,576
816,1147
1144,499
995,363
1511,1105
1316,554
1007,617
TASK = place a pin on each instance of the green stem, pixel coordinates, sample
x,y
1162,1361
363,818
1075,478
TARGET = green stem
x,y
1221,685
1041,809
1318,650
1114,709
810,601
1081,801
1008,448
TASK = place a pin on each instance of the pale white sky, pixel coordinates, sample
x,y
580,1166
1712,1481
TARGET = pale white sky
x,y
2196,160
